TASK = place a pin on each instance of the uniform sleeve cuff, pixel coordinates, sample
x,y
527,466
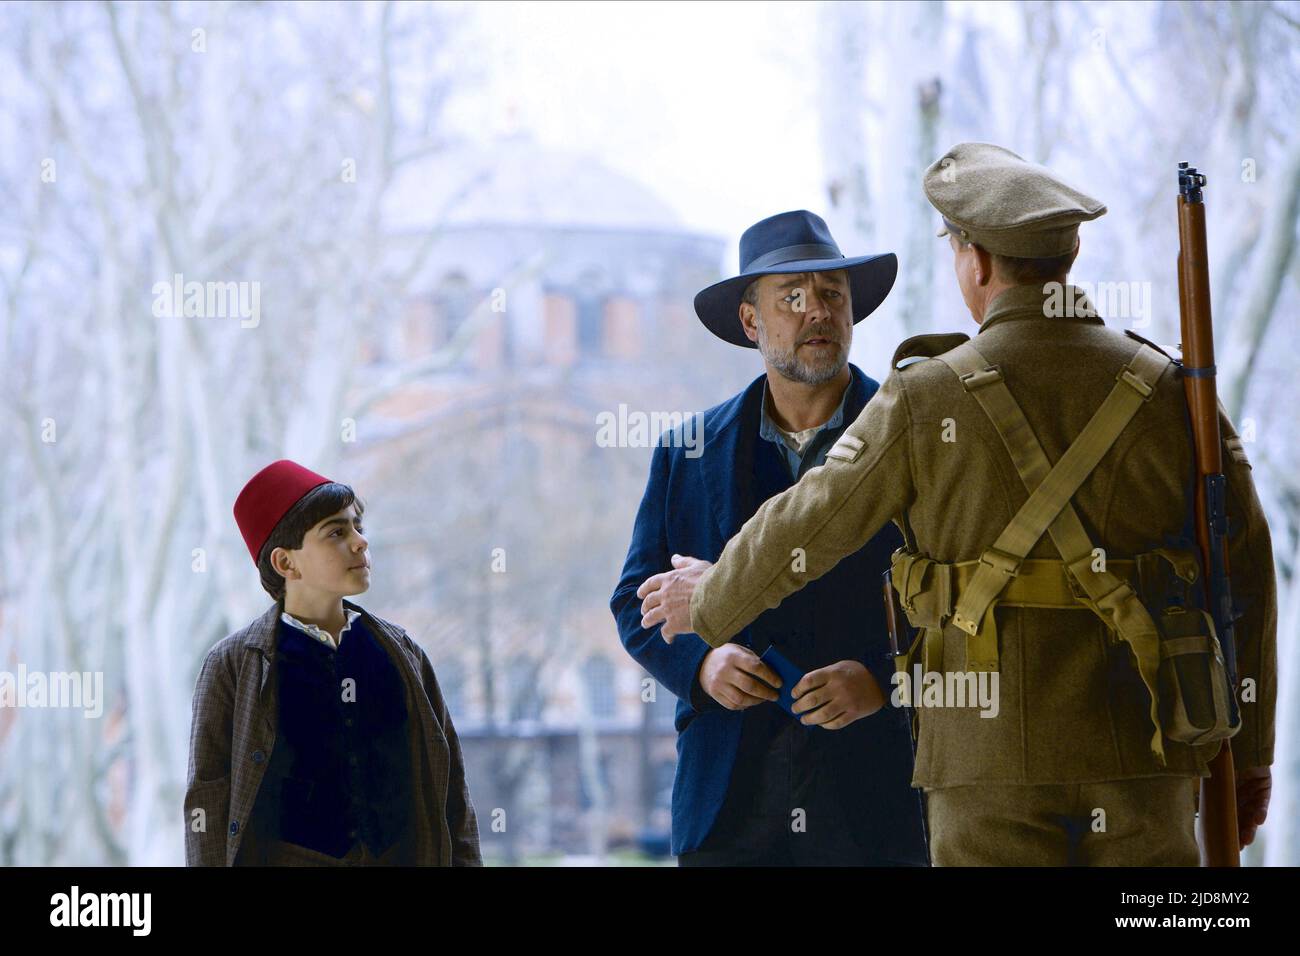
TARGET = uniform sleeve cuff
x,y
698,624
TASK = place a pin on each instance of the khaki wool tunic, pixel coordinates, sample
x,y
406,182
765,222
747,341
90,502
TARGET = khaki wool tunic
x,y
1072,706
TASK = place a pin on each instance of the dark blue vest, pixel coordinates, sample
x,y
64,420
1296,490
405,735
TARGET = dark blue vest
x,y
781,764
340,770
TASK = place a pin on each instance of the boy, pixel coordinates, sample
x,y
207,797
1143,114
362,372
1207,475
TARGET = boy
x,y
320,735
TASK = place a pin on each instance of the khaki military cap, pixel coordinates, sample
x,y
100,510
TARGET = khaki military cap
x,y
990,196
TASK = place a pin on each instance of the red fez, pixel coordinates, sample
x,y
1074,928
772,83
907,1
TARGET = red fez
x,y
266,498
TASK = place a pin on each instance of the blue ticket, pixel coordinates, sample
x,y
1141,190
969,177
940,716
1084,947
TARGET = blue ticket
x,y
789,674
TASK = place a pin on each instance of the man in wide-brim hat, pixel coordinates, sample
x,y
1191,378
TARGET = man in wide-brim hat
x,y
828,781
1042,473
792,245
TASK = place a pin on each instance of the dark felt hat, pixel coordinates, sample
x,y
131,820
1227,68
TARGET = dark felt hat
x,y
789,242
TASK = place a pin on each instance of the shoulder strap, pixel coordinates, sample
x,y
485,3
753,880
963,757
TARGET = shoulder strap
x,y
1162,349
929,345
1049,506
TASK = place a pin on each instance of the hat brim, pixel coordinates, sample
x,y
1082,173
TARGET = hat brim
x,y
870,279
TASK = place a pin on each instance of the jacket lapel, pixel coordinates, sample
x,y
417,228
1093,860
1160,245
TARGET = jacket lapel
x,y
262,639
861,389
726,460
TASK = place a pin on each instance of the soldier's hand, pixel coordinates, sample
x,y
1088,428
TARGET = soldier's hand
x,y
1254,786
667,596
835,696
734,676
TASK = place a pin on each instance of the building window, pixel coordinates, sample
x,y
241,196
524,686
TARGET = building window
x,y
663,709
453,301
589,301
664,771
591,324
586,798
598,680
525,701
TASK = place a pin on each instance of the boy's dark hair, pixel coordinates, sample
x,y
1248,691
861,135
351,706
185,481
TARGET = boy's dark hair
x,y
310,510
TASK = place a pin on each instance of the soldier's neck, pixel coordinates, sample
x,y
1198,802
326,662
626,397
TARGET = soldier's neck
x,y
798,405
997,285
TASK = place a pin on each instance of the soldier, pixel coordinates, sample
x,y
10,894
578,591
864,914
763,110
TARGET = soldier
x,y
1072,762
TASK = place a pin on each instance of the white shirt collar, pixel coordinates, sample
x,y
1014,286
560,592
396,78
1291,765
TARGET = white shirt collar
x,y
320,633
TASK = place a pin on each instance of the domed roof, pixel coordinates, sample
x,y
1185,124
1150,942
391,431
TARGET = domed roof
x,y
514,181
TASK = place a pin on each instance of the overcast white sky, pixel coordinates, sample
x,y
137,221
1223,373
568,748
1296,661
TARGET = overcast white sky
x,y
706,103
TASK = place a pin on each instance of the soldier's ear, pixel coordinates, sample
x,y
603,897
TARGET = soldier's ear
x,y
983,264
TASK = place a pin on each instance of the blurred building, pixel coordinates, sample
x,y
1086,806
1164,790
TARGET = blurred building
x,y
549,289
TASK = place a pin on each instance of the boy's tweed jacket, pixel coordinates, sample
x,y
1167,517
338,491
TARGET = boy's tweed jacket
x,y
234,729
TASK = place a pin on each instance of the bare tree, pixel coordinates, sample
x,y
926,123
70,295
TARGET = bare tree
x,y
220,155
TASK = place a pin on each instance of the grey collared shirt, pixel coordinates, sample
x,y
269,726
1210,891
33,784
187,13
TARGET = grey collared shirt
x,y
805,449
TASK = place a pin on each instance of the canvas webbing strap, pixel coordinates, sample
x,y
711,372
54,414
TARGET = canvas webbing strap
x,y
1048,506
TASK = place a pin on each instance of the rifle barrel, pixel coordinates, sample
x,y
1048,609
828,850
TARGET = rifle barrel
x,y
1218,806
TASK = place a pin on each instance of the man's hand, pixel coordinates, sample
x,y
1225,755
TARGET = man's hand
x,y
1253,788
835,696
667,596
734,676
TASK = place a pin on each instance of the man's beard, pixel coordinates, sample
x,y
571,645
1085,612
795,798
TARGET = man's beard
x,y
789,364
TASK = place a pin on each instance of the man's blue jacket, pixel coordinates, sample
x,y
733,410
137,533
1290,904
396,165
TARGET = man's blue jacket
x,y
693,504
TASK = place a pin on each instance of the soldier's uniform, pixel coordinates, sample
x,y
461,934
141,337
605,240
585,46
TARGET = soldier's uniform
x,y
1074,767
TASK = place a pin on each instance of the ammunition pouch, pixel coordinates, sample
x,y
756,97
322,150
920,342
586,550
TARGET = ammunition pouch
x,y
1193,689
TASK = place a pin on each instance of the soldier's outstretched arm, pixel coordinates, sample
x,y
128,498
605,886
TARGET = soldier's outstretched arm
x,y
799,535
